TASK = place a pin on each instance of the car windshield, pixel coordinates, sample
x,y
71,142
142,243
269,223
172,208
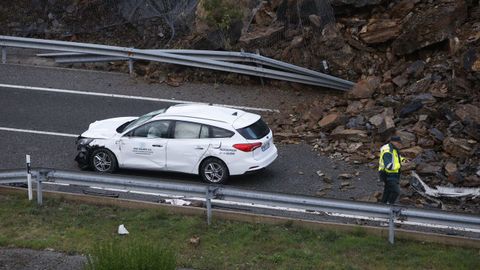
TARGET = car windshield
x,y
144,118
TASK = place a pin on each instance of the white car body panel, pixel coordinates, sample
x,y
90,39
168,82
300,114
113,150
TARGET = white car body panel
x,y
185,155
245,120
142,153
105,129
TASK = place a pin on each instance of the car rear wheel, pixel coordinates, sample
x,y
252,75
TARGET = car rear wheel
x,y
103,160
214,171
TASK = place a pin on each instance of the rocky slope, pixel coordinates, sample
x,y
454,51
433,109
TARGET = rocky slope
x,y
417,67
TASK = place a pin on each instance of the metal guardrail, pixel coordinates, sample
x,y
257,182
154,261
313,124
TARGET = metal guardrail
x,y
223,195
215,60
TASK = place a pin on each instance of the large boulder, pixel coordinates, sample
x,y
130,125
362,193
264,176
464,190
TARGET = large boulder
x,y
457,147
355,135
364,88
330,121
468,113
431,26
428,169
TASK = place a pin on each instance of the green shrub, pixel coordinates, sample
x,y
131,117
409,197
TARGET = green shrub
x,y
126,255
221,13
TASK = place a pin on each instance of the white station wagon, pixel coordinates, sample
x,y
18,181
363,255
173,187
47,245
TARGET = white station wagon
x,y
214,142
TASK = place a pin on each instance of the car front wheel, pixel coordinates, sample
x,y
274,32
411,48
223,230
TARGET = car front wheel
x,y
214,171
103,160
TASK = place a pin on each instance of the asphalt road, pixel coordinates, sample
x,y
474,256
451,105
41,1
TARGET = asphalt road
x,y
293,172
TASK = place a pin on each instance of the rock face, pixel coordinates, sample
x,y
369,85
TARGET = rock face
x,y
431,26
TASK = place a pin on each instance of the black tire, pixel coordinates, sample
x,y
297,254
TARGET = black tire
x,y
214,171
103,160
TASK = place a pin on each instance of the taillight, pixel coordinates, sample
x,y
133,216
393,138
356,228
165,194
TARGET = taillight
x,y
247,147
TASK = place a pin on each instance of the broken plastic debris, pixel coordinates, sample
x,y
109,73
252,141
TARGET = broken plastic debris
x,y
178,202
122,230
440,191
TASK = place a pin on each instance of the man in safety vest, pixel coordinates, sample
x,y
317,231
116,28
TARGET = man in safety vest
x,y
389,167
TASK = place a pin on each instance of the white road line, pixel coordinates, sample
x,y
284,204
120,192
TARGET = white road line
x,y
38,132
98,94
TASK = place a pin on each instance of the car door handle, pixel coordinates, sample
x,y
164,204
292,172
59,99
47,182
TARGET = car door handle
x,y
157,145
199,148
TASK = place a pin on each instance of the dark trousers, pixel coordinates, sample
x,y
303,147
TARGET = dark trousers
x,y
391,189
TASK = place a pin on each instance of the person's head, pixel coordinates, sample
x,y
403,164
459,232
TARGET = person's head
x,y
396,141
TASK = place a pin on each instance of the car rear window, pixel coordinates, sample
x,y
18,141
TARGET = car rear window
x,y
220,133
255,131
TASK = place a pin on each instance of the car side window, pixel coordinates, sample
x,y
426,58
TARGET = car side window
x,y
205,132
156,129
220,133
187,130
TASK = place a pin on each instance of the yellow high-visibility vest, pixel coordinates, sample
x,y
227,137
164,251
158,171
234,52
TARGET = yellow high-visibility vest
x,y
396,160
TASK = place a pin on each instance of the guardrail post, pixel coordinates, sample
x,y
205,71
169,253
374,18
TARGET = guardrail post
x,y
391,227
130,66
257,52
394,212
208,201
41,176
4,55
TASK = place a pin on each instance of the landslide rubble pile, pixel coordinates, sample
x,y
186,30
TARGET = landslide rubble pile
x,y
417,68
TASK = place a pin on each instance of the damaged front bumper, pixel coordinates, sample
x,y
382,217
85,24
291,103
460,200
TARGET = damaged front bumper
x,y
84,152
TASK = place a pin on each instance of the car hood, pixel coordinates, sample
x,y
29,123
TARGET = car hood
x,y
104,129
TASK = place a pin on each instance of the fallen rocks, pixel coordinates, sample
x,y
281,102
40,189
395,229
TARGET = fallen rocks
x,y
411,108
380,30
345,184
408,139
345,176
412,152
458,147
364,88
430,26
428,169
437,134
468,113
330,121
350,134
383,122
262,36
450,168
